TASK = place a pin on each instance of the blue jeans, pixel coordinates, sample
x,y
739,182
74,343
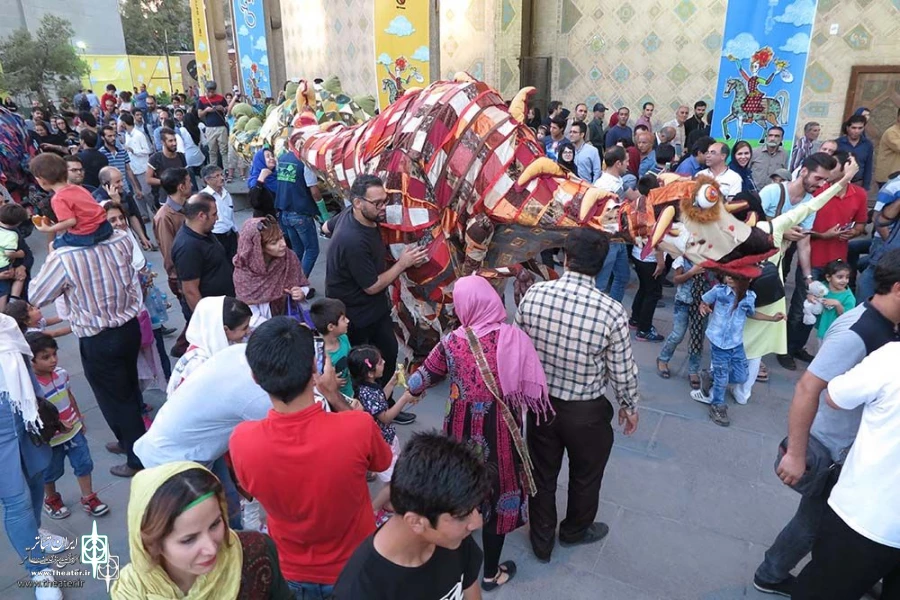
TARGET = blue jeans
x,y
796,539
728,366
301,230
232,498
865,285
79,458
679,329
103,232
311,591
615,265
22,510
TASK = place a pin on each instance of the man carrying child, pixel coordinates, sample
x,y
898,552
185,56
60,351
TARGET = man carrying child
x,y
104,298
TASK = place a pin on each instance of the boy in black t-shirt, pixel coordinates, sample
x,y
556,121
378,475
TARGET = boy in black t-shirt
x,y
437,487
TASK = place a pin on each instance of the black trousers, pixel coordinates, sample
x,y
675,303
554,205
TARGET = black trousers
x,y
648,294
492,544
845,565
230,241
109,360
584,431
381,335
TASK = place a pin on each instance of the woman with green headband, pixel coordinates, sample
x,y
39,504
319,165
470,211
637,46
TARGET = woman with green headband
x,y
181,545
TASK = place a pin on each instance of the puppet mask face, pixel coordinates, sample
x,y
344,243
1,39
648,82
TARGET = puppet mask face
x,y
706,197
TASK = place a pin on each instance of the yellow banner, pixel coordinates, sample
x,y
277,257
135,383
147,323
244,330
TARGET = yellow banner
x,y
129,72
401,47
201,42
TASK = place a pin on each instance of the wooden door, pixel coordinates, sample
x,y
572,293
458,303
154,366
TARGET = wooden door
x,y
878,89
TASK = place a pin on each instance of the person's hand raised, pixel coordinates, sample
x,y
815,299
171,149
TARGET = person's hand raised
x,y
850,170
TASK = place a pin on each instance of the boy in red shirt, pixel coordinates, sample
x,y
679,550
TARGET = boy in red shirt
x,y
81,221
305,466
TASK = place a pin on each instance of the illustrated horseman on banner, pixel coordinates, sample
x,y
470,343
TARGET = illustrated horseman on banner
x,y
750,104
395,83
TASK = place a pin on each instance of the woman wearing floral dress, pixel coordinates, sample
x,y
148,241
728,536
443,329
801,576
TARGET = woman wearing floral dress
x,y
495,375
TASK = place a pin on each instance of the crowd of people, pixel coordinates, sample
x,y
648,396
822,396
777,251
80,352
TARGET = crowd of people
x,y
269,375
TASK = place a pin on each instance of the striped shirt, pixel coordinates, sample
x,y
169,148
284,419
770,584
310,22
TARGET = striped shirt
x,y
582,338
118,159
99,284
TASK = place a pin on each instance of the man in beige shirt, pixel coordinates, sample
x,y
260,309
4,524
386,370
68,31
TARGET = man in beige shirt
x,y
887,159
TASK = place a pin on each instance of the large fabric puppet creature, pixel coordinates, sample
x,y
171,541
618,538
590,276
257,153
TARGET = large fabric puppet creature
x,y
16,149
466,178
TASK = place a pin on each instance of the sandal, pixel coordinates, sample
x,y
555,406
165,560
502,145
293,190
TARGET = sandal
x,y
663,371
507,568
763,375
695,381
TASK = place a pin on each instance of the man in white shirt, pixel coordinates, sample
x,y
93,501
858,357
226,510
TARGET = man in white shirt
x,y
138,147
859,539
615,164
729,181
681,115
224,229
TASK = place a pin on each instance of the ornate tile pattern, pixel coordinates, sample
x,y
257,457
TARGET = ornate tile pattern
x,y
616,54
858,38
869,33
319,42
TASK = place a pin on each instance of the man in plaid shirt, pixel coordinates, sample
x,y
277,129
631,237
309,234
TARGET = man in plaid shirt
x,y
582,337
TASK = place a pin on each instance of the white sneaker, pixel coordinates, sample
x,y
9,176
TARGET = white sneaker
x,y
52,543
699,396
44,588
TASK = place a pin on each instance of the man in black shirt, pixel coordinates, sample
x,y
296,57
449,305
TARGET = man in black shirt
x,y
436,490
356,273
696,121
168,158
91,159
200,260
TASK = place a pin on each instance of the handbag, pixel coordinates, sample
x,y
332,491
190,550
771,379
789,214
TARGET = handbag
x,y
769,287
298,312
820,469
514,431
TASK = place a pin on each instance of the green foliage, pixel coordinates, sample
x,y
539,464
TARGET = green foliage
x,y
146,22
39,63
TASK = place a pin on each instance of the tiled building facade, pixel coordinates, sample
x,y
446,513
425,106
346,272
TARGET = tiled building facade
x,y
665,51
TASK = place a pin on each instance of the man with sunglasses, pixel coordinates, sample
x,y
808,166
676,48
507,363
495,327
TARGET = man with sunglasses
x,y
357,273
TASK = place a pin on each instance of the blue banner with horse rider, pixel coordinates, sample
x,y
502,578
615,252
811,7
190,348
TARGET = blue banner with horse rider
x,y
761,71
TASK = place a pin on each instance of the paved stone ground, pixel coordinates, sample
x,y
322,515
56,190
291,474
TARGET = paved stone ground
x,y
691,506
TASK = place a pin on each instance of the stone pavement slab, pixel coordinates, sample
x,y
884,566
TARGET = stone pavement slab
x,y
691,506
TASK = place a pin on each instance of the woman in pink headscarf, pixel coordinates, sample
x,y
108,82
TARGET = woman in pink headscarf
x,y
495,376
266,272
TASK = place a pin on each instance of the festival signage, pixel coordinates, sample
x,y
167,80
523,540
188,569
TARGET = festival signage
x,y
401,47
201,43
761,70
250,47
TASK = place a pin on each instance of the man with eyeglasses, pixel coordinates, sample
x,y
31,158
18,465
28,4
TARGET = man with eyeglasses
x,y
356,271
75,172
